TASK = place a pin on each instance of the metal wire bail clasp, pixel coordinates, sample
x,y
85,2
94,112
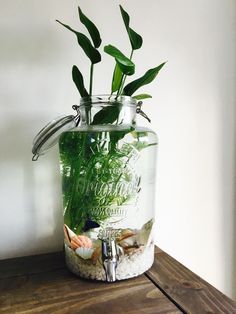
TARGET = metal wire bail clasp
x,y
77,117
140,111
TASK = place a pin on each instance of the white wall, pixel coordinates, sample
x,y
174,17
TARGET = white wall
x,y
192,110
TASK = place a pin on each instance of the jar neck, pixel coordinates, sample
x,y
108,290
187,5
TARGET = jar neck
x,y
105,110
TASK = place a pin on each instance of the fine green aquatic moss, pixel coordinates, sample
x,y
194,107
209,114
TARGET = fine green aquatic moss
x,y
97,177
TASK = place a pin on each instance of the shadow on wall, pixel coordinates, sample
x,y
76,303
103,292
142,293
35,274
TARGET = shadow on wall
x,y
31,216
234,254
228,186
30,193
234,233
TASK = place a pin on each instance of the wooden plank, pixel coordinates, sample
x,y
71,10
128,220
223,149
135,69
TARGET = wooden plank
x,y
59,291
31,264
192,293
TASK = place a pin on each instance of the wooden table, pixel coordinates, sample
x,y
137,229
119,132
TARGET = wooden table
x,y
42,284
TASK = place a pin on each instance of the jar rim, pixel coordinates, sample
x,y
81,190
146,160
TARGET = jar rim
x,y
108,100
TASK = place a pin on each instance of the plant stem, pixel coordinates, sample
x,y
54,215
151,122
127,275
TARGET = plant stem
x,y
119,89
131,55
91,80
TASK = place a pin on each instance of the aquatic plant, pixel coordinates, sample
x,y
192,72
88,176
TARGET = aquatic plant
x,y
124,66
97,179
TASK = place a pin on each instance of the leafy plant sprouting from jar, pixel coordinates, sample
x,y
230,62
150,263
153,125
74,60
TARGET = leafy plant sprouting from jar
x,y
124,66
87,169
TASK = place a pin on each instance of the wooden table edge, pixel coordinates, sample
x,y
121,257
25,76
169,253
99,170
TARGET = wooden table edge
x,y
181,287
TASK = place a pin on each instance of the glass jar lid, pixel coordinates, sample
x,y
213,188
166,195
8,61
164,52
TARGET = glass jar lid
x,y
49,135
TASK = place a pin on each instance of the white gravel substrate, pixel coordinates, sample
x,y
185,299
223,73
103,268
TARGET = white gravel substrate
x,y
128,266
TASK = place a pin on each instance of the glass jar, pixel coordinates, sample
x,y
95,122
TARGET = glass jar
x,y
108,184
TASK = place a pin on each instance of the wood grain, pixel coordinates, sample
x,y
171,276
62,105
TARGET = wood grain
x,y
189,291
56,290
42,284
31,264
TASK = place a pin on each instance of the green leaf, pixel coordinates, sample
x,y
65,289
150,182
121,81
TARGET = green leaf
x,y
79,81
135,39
92,53
125,64
92,29
108,114
116,80
147,78
142,96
